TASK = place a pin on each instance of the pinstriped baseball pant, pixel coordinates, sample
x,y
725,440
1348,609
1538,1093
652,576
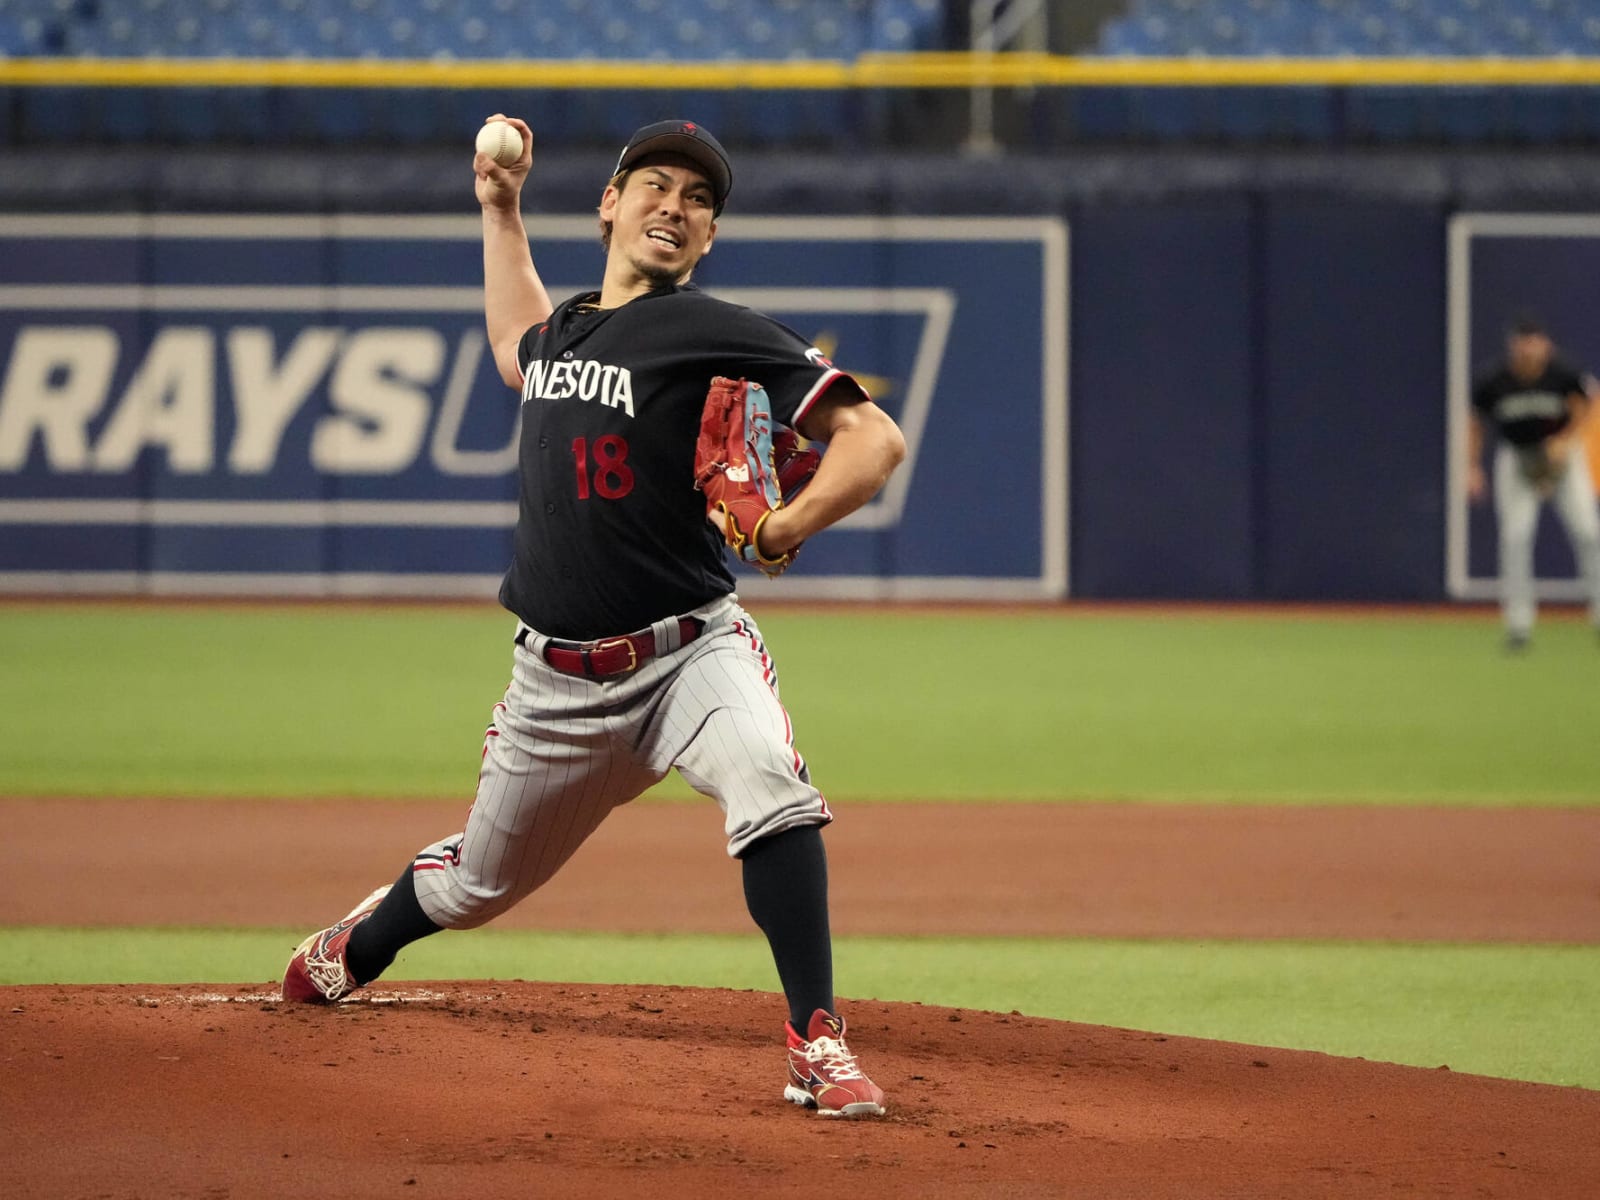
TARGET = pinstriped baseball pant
x,y
563,751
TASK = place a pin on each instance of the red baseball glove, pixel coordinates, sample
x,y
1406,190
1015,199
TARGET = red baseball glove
x,y
746,472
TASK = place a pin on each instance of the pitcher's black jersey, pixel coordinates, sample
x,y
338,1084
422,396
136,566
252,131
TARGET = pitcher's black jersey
x,y
1527,411
611,532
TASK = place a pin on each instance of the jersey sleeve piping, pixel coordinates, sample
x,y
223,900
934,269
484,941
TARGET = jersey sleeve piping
x,y
828,378
525,345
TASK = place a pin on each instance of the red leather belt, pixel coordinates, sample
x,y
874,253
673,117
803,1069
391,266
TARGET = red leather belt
x,y
609,656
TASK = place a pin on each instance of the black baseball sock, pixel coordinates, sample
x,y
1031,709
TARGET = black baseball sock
x,y
394,924
786,888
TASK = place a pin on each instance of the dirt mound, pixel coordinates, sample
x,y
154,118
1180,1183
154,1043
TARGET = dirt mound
x,y
497,1090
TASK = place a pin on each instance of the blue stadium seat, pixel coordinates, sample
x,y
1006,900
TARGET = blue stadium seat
x,y
1148,36
1224,36
1584,34
38,34
832,35
679,29
690,37
1354,27
101,39
722,30
903,25
609,29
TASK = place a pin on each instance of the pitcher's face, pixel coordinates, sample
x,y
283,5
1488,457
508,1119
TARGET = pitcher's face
x,y
662,218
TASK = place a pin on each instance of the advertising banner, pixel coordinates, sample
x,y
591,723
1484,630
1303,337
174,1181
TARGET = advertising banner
x,y
306,405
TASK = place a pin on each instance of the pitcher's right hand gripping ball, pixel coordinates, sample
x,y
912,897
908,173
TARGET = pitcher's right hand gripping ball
x,y
745,471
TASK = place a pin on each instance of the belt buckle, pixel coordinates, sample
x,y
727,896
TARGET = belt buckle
x,y
633,652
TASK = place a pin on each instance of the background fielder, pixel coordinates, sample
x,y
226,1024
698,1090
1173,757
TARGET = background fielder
x,y
632,654
1537,404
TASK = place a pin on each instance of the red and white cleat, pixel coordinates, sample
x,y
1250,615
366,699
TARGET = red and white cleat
x,y
316,973
824,1075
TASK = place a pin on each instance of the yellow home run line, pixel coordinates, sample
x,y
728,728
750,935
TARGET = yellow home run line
x,y
928,70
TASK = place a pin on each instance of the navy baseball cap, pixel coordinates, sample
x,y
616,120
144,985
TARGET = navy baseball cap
x,y
692,141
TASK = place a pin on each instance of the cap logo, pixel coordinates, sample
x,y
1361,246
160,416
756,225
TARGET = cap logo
x,y
687,139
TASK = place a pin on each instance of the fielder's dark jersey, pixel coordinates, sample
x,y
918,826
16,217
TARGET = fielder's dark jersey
x,y
1527,412
611,531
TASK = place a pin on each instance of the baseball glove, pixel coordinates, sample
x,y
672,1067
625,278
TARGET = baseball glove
x,y
795,460
1540,466
746,472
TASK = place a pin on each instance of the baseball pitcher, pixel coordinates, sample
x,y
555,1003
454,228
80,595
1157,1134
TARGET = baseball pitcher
x,y
662,431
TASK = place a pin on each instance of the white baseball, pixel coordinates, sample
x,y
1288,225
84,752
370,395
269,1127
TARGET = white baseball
x,y
500,142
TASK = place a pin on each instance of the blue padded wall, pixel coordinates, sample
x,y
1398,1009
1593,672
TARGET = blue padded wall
x,y
1161,435
1354,375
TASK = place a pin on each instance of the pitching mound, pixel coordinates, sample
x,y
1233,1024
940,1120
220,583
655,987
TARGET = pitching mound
x,y
516,1090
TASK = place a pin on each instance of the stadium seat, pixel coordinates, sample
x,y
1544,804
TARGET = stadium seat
x,y
39,35
1354,27
729,30
902,25
656,29
1147,36
643,29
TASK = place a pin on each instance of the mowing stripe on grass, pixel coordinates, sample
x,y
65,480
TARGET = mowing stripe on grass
x,y
1271,707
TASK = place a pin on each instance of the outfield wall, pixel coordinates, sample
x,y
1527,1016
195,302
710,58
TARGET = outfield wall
x,y
1127,375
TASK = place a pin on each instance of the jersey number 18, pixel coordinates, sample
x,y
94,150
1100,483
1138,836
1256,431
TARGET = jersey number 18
x,y
612,476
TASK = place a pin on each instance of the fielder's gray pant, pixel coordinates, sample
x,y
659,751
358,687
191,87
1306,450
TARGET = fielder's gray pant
x,y
1517,507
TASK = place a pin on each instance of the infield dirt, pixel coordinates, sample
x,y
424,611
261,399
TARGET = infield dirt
x,y
496,1090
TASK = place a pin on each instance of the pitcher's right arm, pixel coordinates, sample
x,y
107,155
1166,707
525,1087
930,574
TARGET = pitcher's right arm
x,y
514,297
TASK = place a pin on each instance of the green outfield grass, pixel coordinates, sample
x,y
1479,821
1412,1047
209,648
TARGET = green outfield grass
x,y
1243,706
392,701
1524,1012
